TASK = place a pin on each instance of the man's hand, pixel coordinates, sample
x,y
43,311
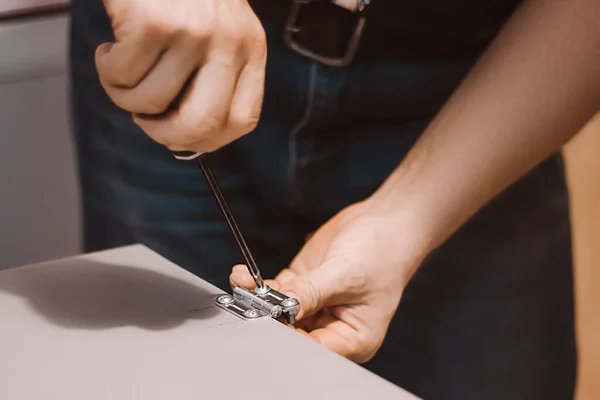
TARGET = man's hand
x,y
349,278
191,71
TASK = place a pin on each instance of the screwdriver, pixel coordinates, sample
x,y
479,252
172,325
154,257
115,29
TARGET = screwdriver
x,y
231,223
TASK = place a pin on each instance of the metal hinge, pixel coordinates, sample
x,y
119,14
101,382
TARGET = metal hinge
x,y
255,304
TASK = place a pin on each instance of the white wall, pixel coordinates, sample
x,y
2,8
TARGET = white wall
x,y
39,204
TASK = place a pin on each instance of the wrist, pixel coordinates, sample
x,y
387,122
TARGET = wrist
x,y
404,221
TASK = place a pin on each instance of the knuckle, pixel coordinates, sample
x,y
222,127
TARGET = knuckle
x,y
260,37
209,126
160,26
155,26
122,78
258,43
231,34
165,29
114,75
362,340
354,351
152,106
201,127
243,122
200,31
362,347
148,106
227,58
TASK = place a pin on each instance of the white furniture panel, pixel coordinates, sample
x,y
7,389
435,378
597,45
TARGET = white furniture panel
x,y
127,324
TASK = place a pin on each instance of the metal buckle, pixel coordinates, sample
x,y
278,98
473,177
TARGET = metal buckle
x,y
291,28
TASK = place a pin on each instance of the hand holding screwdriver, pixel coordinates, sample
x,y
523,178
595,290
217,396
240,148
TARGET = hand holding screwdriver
x,y
210,55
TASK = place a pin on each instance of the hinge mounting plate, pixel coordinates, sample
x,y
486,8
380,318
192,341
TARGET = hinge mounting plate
x,y
251,305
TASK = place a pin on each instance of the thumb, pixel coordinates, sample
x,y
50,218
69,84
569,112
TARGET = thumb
x,y
317,289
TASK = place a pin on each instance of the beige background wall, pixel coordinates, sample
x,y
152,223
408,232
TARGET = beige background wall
x,y
583,171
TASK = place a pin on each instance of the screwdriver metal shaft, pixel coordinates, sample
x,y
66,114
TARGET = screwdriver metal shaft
x,y
231,223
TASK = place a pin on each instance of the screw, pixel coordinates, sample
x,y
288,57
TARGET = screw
x,y
262,290
290,301
225,299
250,314
276,311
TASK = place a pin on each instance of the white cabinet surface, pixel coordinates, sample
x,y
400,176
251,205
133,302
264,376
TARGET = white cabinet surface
x,y
39,204
127,324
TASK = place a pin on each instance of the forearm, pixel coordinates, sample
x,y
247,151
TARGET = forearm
x,y
532,90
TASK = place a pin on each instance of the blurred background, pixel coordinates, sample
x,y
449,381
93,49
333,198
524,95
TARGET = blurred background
x,y
39,202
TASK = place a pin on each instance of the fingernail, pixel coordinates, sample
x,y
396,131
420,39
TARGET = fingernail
x,y
291,294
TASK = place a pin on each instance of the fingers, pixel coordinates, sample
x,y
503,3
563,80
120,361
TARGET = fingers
x,y
342,329
357,343
340,338
240,277
124,64
156,91
247,102
191,74
329,285
200,122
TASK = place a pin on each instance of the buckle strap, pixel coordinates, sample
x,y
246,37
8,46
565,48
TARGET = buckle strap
x,y
292,28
